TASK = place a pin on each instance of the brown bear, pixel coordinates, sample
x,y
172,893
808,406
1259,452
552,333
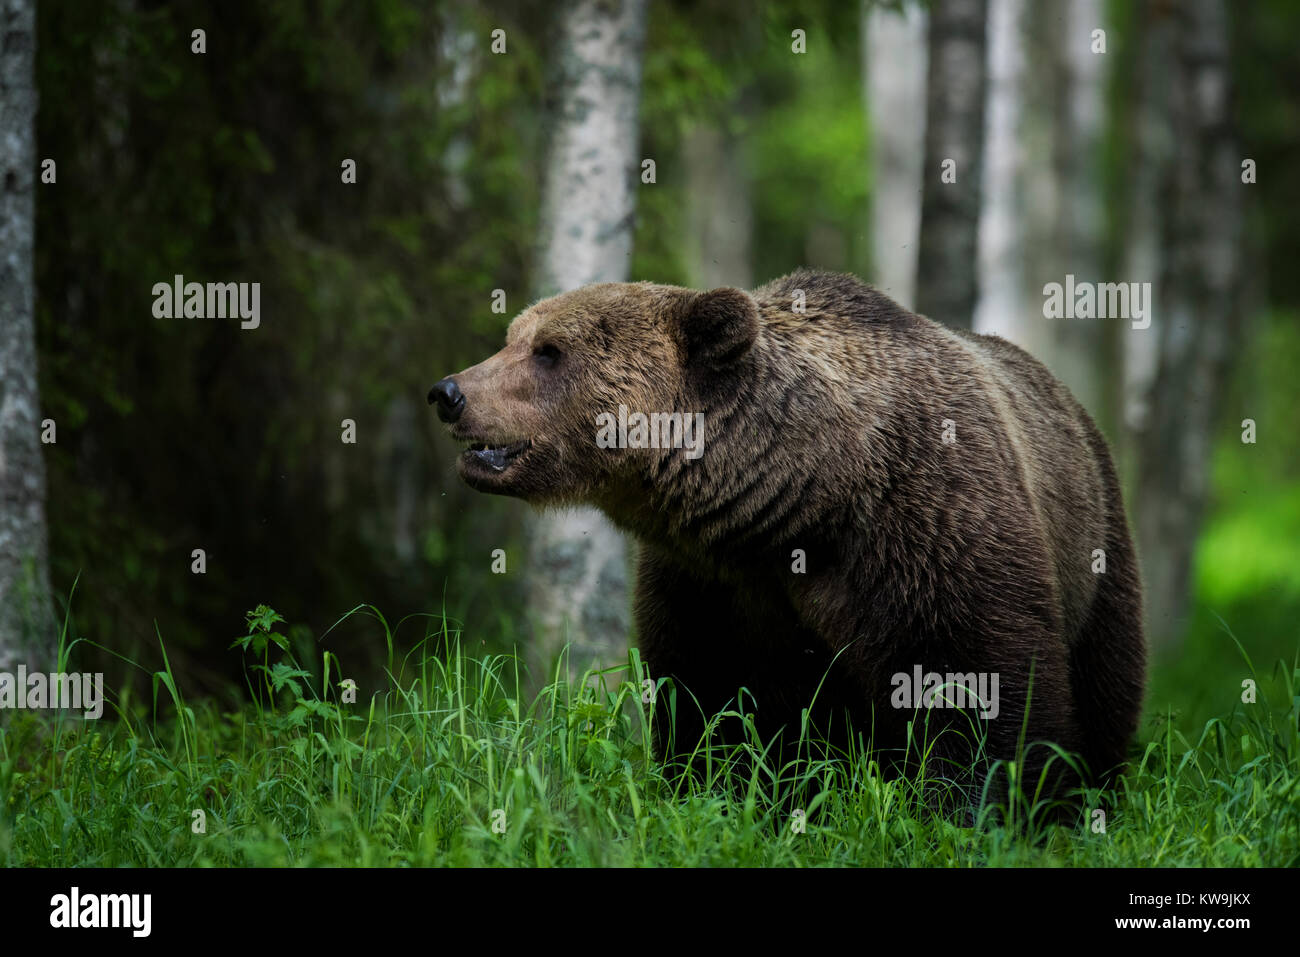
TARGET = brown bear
x,y
840,504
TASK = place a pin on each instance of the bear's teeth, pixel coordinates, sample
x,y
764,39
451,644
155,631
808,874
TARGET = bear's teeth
x,y
497,457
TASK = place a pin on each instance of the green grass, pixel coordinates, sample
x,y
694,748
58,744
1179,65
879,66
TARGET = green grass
x,y
413,774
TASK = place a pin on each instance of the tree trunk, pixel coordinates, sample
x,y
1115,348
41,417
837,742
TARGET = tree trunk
x,y
27,634
893,49
1153,152
720,216
947,286
1196,317
1005,307
458,51
1078,160
578,570
1042,205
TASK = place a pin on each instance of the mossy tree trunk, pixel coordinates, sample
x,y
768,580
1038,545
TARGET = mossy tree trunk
x,y
26,624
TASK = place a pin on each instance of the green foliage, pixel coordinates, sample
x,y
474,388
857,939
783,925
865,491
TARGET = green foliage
x,y
812,174
1248,557
180,434
797,121
260,635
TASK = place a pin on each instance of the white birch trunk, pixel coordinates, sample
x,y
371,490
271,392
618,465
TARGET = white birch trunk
x,y
578,569
1005,307
894,51
720,216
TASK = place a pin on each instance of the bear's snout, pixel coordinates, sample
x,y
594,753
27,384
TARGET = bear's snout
x,y
446,395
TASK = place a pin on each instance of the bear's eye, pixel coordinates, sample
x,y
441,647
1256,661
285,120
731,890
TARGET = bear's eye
x,y
546,356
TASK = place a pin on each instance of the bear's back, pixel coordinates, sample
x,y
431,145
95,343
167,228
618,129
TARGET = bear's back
x,y
1050,433
831,317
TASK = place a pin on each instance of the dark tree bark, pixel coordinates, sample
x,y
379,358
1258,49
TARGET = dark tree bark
x,y
1196,316
26,624
947,285
1081,345
1151,157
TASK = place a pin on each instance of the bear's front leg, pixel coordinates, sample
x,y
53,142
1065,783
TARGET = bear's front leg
x,y
685,629
728,647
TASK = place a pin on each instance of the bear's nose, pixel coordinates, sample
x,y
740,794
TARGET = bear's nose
x,y
449,399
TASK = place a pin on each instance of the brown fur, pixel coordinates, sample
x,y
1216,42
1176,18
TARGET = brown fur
x,y
823,432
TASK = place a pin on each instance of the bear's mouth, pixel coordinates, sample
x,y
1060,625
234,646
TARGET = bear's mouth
x,y
497,458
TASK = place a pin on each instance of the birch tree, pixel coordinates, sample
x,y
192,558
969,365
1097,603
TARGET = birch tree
x,y
894,55
1042,210
578,568
26,624
1005,308
720,215
947,285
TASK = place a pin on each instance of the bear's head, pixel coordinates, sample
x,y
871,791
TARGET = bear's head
x,y
530,416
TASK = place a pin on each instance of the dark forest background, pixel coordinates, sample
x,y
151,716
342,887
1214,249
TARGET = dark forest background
x,y
184,434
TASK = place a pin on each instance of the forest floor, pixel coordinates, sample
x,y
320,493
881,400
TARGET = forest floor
x,y
452,765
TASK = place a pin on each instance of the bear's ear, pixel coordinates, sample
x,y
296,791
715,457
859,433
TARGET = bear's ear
x,y
719,326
